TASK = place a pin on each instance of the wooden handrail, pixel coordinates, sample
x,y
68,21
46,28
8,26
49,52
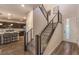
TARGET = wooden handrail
x,y
43,13
42,8
47,24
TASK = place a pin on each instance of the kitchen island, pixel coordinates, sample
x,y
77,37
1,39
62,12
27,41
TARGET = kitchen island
x,y
8,36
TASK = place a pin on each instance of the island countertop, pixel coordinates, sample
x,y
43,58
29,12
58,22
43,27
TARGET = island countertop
x,y
9,35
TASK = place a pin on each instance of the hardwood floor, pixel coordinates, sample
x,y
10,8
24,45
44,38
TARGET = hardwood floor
x,y
66,48
14,48
17,48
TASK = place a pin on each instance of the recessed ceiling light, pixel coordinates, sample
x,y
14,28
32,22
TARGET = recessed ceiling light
x,y
9,14
22,5
11,24
1,24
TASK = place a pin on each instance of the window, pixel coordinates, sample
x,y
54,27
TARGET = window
x,y
67,29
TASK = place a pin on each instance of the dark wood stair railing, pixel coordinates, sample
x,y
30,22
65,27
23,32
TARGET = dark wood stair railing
x,y
44,12
38,37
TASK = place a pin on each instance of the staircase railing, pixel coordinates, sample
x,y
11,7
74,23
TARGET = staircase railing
x,y
41,43
44,12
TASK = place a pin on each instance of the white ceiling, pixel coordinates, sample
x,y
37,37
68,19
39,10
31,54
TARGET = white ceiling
x,y
16,9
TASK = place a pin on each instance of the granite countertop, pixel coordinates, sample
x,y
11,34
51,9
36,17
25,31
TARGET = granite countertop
x,y
3,31
8,32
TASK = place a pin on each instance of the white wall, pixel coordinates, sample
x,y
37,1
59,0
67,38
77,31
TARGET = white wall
x,y
68,10
29,21
55,40
78,22
29,24
39,21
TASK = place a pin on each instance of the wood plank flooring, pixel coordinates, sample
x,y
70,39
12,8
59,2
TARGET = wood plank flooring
x,y
17,48
66,48
14,48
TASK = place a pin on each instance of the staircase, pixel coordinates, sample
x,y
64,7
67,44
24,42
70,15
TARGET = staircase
x,y
46,35
39,44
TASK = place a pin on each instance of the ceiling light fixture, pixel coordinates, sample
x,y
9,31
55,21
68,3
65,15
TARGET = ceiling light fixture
x,y
22,5
9,14
1,24
11,24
